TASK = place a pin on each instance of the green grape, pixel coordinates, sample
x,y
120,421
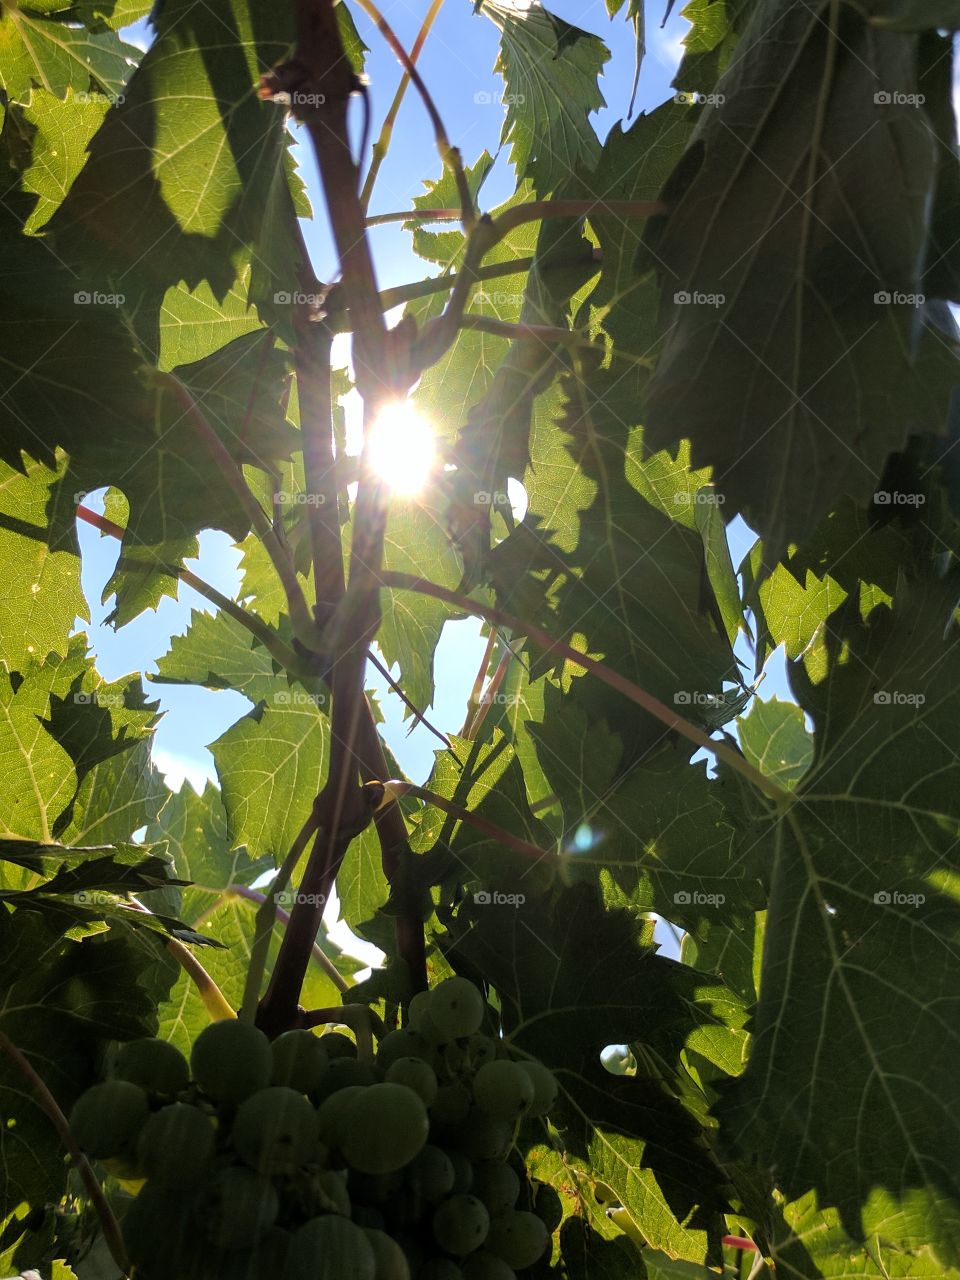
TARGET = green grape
x,y
519,1238
460,1224
106,1119
545,1087
439,1269
416,1075
391,1261
299,1059
275,1130
154,1065
503,1089
548,1206
231,1060
456,1007
333,1114
452,1104
388,1127
431,1173
269,1258
419,1008
159,1233
483,1137
330,1194
330,1248
405,1043
497,1185
337,1045
462,1172
486,1266
481,1049
175,1145
237,1207
342,1072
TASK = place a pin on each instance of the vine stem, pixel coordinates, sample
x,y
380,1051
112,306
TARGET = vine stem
x,y
485,701
473,702
382,144
656,708
449,155
303,624
275,646
51,1108
397,787
283,917
214,1001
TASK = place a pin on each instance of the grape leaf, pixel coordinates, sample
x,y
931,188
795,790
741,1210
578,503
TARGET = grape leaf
x,y
775,740
41,51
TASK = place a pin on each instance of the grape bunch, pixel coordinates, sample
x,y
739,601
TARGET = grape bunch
x,y
303,1161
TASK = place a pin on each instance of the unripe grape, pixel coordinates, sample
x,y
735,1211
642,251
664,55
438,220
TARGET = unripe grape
x,y
503,1089
342,1073
497,1185
416,1075
388,1127
481,1049
237,1207
418,1008
456,1007
431,1173
299,1060
275,1130
333,1115
330,1248
154,1065
439,1269
391,1261
159,1232
231,1060
106,1119
545,1086
460,1224
337,1045
330,1194
519,1238
462,1173
175,1145
483,1137
405,1043
486,1266
452,1104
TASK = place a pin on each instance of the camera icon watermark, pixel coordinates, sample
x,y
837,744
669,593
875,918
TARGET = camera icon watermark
x,y
894,98
490,498
499,699
896,498
288,898
896,298
695,99
296,298
703,497
93,898
694,298
82,698
298,698
96,298
894,898
695,898
97,99
696,698
494,898
295,498
296,99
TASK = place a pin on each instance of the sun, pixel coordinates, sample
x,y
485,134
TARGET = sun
x,y
401,449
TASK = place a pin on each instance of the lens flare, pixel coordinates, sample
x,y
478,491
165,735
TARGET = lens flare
x,y
401,449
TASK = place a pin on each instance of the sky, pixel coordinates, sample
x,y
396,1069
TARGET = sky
x,y
457,64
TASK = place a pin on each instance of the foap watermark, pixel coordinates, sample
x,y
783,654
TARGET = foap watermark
x,y
897,498
498,298
490,498
895,898
486,99
95,298
83,699
895,298
695,898
691,98
897,698
298,698
694,298
296,298
494,898
110,499
499,699
97,99
894,98
295,98
293,897
288,498
93,898
696,698
702,497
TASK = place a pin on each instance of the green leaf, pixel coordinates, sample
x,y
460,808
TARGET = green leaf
x,y
42,596
850,1088
775,741
781,360
914,15
44,52
59,146
551,70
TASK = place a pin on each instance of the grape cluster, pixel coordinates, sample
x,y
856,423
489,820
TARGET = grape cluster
x,y
300,1160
